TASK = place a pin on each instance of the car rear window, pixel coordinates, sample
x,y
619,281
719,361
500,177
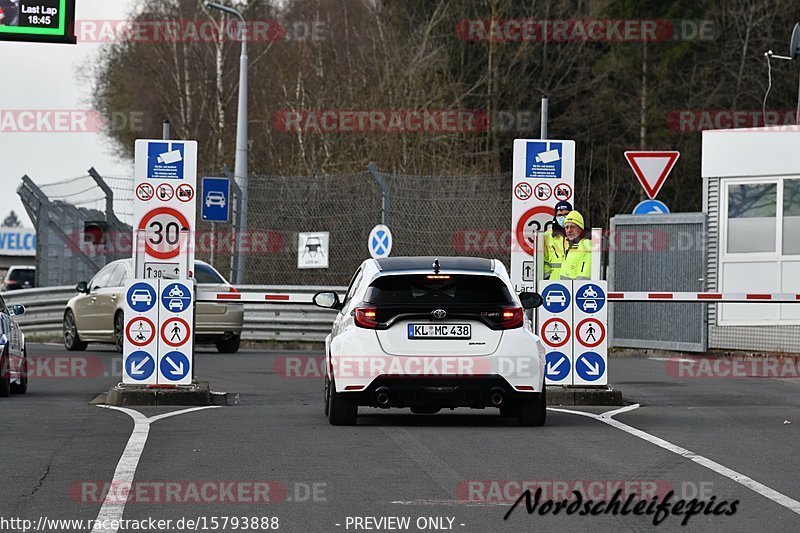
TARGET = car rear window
x,y
22,275
429,289
206,274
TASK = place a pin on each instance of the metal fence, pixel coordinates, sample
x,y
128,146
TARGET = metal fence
x,y
428,215
658,253
263,321
60,212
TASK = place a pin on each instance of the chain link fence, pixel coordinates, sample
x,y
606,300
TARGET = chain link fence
x,y
428,215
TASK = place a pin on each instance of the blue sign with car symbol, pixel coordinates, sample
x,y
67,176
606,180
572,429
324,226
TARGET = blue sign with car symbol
x,y
216,199
176,297
590,298
556,298
141,297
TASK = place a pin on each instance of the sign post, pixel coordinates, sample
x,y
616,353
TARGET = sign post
x,y
159,314
556,331
543,174
591,341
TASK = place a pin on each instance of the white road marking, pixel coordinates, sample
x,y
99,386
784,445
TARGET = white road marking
x,y
777,497
111,510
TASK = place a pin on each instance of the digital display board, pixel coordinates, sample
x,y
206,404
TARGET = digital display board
x,y
38,21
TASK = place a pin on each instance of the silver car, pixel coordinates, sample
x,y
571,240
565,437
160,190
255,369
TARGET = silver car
x,y
95,314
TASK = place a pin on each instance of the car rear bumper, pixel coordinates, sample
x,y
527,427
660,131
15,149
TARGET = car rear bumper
x,y
357,361
474,391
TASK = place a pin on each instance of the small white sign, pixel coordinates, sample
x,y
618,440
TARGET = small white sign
x,y
313,249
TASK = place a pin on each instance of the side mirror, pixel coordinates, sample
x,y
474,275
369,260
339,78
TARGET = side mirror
x,y
530,300
17,310
83,287
327,300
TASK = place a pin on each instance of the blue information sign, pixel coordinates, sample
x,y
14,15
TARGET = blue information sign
x,y
216,199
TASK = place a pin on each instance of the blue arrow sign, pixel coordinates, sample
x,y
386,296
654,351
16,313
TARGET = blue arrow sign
x,y
216,199
590,366
140,365
556,298
175,366
651,207
590,298
557,366
176,297
141,297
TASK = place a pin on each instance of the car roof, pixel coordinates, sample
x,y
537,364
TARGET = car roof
x,y
467,264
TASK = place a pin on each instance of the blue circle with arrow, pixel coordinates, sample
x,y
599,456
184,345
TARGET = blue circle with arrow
x,y
557,366
590,366
140,365
174,366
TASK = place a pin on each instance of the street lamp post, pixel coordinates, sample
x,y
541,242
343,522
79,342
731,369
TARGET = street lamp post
x,y
240,165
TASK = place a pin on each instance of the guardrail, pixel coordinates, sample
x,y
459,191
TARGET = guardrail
x,y
289,318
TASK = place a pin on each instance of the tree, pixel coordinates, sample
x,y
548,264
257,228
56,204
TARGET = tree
x,y
11,221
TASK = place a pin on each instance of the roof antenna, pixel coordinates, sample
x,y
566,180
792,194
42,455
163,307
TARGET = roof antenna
x,y
436,267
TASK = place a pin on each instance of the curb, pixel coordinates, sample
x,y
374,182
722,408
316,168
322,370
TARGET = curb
x,y
604,396
124,395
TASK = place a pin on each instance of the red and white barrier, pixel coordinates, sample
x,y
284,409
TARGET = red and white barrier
x,y
254,297
740,297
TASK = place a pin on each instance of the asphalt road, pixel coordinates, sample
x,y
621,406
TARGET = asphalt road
x,y
458,471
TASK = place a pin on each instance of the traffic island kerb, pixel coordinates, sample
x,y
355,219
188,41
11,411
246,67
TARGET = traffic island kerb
x,y
198,393
603,396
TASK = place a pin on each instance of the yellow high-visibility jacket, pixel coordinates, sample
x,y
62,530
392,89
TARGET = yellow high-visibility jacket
x,y
577,262
553,252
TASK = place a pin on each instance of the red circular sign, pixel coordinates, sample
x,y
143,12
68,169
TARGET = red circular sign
x,y
543,191
140,336
164,233
523,191
563,191
598,333
184,192
544,213
554,336
144,192
165,192
175,336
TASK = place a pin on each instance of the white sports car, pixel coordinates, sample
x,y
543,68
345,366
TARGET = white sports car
x,y
430,333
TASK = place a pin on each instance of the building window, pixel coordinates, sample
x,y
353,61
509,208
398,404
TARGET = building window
x,y
791,217
752,209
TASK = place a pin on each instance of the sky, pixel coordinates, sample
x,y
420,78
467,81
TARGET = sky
x,y
50,77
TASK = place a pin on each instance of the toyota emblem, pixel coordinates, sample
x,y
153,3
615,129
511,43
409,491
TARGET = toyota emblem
x,y
439,313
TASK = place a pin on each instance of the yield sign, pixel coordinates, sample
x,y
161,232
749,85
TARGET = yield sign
x,y
652,168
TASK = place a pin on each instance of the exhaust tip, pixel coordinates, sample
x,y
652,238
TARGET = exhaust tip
x,y
496,396
382,396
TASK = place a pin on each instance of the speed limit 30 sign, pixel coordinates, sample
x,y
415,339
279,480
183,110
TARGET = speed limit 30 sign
x,y
164,222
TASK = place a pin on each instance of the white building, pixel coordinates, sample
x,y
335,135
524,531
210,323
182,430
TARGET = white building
x,y
751,195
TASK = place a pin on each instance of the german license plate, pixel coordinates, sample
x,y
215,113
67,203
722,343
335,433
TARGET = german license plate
x,y
439,331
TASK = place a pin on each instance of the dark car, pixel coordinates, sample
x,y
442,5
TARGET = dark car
x,y
19,277
13,357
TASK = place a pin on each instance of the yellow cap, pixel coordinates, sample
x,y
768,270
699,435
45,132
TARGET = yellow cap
x,y
575,218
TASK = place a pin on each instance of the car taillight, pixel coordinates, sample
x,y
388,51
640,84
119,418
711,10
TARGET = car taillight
x,y
366,317
512,317
233,289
